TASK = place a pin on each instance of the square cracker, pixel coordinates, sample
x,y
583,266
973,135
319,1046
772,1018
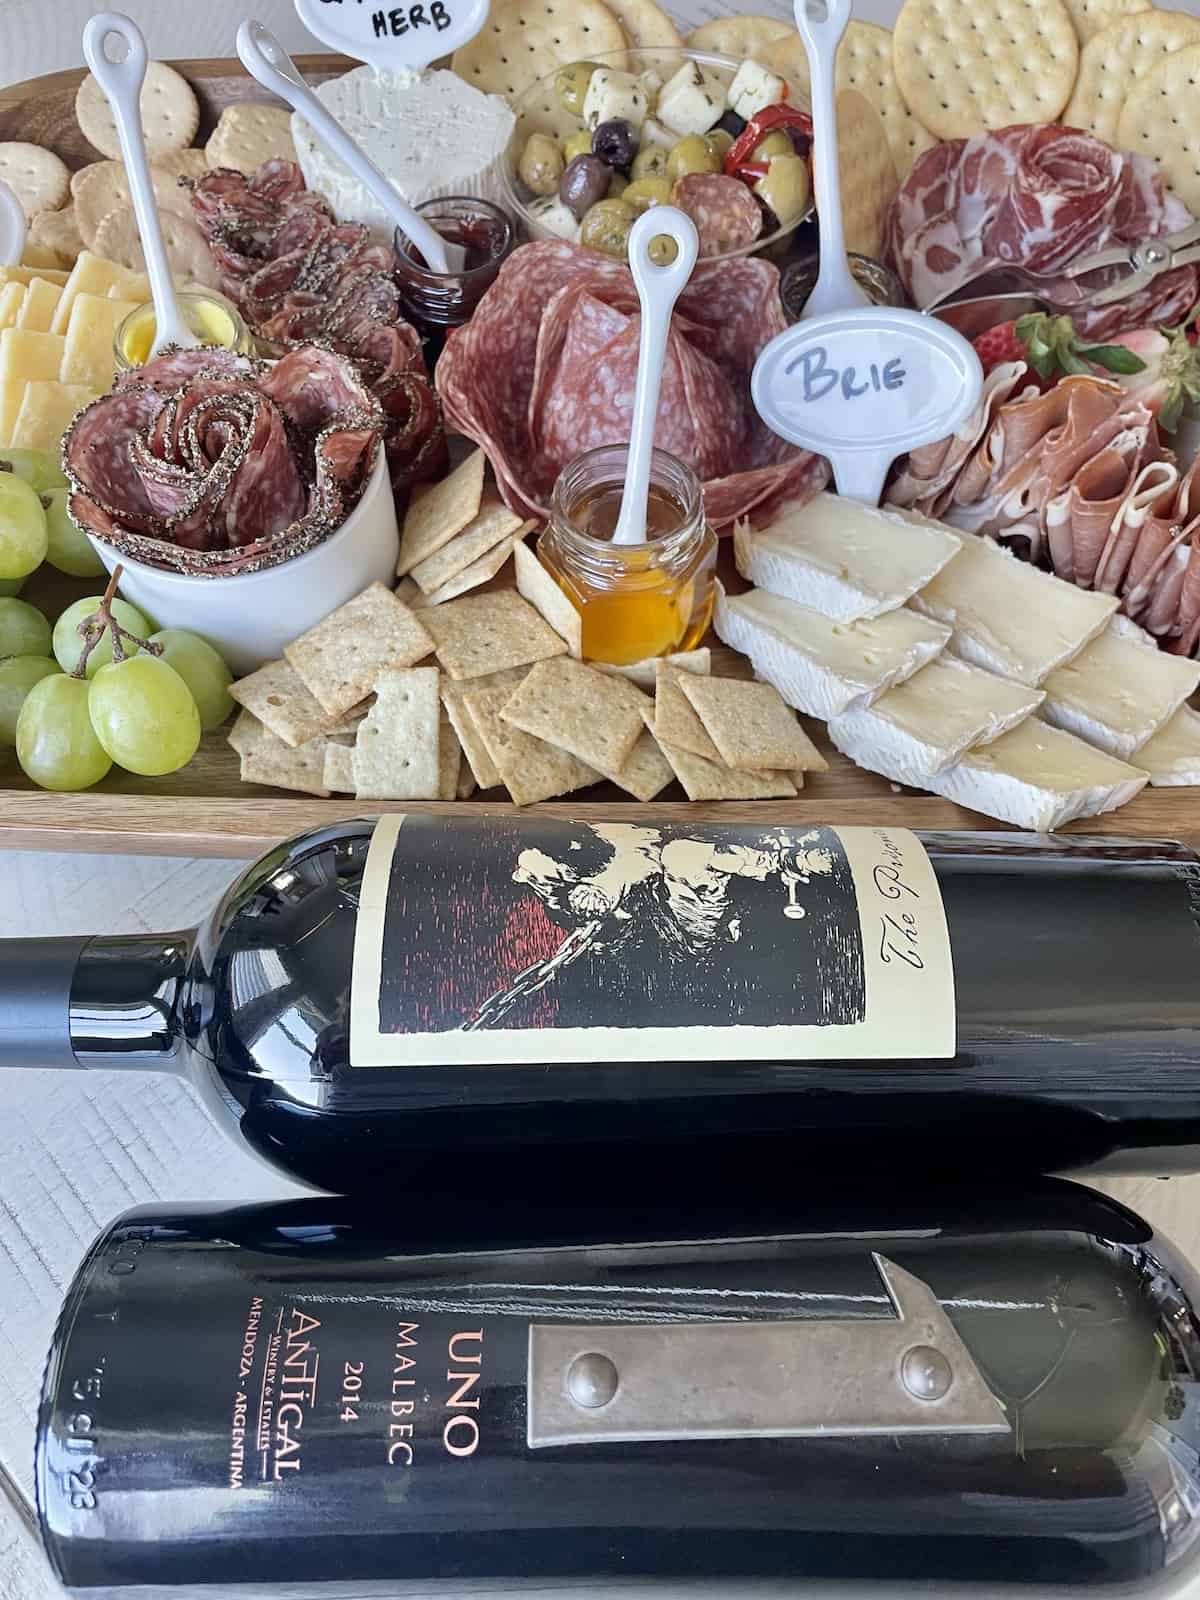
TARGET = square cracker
x,y
494,523
481,764
342,656
396,752
540,589
592,716
647,771
645,673
246,733
531,769
675,719
302,768
752,725
281,701
443,510
475,576
449,758
486,632
707,780
338,775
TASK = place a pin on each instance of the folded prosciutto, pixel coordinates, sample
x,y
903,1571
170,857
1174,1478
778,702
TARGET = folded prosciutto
x,y
209,463
547,365
1038,196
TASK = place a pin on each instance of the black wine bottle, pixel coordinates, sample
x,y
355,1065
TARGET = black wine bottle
x,y
854,1383
375,1000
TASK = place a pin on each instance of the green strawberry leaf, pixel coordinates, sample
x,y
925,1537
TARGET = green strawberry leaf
x,y
1113,358
1169,416
1071,364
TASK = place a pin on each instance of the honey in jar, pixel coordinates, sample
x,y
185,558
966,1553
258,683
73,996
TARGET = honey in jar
x,y
639,600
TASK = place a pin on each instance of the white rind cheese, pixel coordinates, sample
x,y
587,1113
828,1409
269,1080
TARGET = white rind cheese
x,y
1119,690
927,723
1038,777
429,133
821,666
1008,616
845,559
1172,757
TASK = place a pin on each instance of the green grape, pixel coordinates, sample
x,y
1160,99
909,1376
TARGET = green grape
x,y
17,677
39,468
23,535
56,743
144,715
202,669
68,645
24,631
67,548
10,586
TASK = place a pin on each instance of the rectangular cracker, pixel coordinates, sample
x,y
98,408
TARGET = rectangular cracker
x,y
396,752
473,577
439,512
278,697
530,769
246,732
708,780
485,633
449,757
339,768
486,774
591,715
341,657
301,767
492,526
675,719
644,673
551,603
752,726
647,772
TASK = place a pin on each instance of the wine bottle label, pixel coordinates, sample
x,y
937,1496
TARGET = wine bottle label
x,y
482,941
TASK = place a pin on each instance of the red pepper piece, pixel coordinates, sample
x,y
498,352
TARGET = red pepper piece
x,y
777,116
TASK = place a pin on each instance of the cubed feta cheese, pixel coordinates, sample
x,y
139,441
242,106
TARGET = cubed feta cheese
x,y
612,94
552,215
754,87
691,101
653,132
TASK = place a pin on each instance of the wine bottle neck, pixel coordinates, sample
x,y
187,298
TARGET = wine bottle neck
x,y
126,999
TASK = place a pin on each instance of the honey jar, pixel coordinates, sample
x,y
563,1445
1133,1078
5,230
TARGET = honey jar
x,y
635,600
212,318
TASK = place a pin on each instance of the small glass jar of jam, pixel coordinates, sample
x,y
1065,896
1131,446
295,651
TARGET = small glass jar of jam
x,y
636,600
436,302
880,285
214,320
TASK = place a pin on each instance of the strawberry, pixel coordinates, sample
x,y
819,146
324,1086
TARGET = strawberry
x,y
999,345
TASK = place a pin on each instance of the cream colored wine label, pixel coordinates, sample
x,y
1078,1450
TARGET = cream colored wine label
x,y
486,941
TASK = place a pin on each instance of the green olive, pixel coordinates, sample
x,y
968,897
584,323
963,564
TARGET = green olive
x,y
693,154
617,186
720,140
572,85
775,144
650,162
662,250
784,187
646,192
541,164
579,144
606,228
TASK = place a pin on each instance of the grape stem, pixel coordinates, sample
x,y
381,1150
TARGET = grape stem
x,y
93,628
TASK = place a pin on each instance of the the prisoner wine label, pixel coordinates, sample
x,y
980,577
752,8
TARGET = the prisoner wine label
x,y
488,941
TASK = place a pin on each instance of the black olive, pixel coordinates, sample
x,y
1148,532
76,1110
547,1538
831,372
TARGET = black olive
x,y
616,143
584,182
801,141
732,123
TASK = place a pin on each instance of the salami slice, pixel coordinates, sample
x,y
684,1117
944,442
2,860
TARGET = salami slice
x,y
726,214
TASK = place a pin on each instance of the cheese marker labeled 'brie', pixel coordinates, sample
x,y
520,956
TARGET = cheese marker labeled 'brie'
x,y
1008,616
1120,689
821,666
844,559
927,723
1038,777
1172,756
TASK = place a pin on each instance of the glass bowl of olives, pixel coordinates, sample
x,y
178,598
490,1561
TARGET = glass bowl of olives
x,y
599,141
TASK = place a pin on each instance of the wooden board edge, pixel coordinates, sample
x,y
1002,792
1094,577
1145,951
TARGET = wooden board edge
x,y
14,94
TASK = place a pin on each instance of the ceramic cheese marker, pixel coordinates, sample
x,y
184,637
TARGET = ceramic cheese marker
x,y
265,59
12,228
857,383
122,82
658,287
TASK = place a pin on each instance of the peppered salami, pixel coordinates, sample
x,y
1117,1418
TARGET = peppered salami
x,y
726,214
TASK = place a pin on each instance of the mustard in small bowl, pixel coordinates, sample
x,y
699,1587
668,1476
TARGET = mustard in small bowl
x,y
215,321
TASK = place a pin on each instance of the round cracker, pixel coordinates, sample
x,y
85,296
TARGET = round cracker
x,y
249,134
1093,16
58,231
40,181
170,113
743,38
117,239
520,44
867,172
987,64
104,187
1112,62
190,163
1161,118
645,24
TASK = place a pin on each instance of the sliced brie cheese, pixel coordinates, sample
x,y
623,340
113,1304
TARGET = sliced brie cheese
x,y
845,559
929,721
429,133
1008,616
821,666
1120,689
1038,777
1172,756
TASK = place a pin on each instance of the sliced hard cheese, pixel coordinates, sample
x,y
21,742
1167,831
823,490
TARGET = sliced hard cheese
x,y
1120,689
91,275
1172,757
45,414
845,559
927,723
11,297
1038,777
25,275
1009,617
24,358
88,355
818,665
38,306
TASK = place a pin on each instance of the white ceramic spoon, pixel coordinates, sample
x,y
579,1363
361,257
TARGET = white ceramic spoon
x,y
658,289
265,59
122,84
12,228
835,288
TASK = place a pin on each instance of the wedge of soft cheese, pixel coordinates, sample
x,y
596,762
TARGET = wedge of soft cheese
x,y
845,559
925,724
1172,756
1038,777
821,666
1008,616
1119,690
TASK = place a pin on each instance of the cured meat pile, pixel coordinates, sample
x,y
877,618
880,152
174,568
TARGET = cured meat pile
x,y
298,276
1038,196
1079,479
209,463
546,369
